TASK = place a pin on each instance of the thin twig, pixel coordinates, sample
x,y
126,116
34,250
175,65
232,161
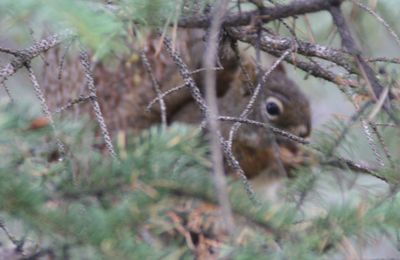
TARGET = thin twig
x,y
9,51
262,80
210,79
378,106
354,118
45,109
174,89
163,95
367,72
63,57
271,128
70,104
385,125
204,69
383,144
186,75
254,97
156,88
7,90
384,59
371,142
343,163
267,14
84,57
273,43
10,236
26,55
379,18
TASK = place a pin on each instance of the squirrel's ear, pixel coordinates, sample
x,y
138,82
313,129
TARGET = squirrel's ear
x,y
250,73
250,70
281,68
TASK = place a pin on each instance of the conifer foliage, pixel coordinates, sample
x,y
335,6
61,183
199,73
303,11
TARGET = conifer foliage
x,y
73,186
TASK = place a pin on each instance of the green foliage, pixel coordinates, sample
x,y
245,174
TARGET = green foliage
x,y
96,28
101,209
152,12
66,210
99,27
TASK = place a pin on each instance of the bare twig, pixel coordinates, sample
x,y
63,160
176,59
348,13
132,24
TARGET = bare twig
x,y
10,236
367,72
45,109
40,254
163,95
261,81
343,163
379,18
204,69
175,89
84,57
9,51
209,62
317,71
73,102
385,125
63,57
354,118
335,161
186,75
371,142
383,145
378,106
253,98
384,59
26,55
271,128
7,90
266,14
350,45
156,88
274,44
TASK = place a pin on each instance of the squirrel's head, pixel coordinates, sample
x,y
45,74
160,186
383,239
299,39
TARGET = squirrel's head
x,y
282,103
285,106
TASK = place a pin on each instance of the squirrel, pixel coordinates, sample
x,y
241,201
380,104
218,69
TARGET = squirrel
x,y
125,92
283,105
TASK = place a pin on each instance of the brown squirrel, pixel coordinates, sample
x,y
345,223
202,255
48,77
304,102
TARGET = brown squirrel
x,y
125,92
283,106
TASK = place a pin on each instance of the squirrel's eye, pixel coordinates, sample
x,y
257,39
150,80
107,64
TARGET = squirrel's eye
x,y
273,107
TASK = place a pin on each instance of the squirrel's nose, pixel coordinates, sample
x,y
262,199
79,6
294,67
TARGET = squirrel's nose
x,y
302,131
